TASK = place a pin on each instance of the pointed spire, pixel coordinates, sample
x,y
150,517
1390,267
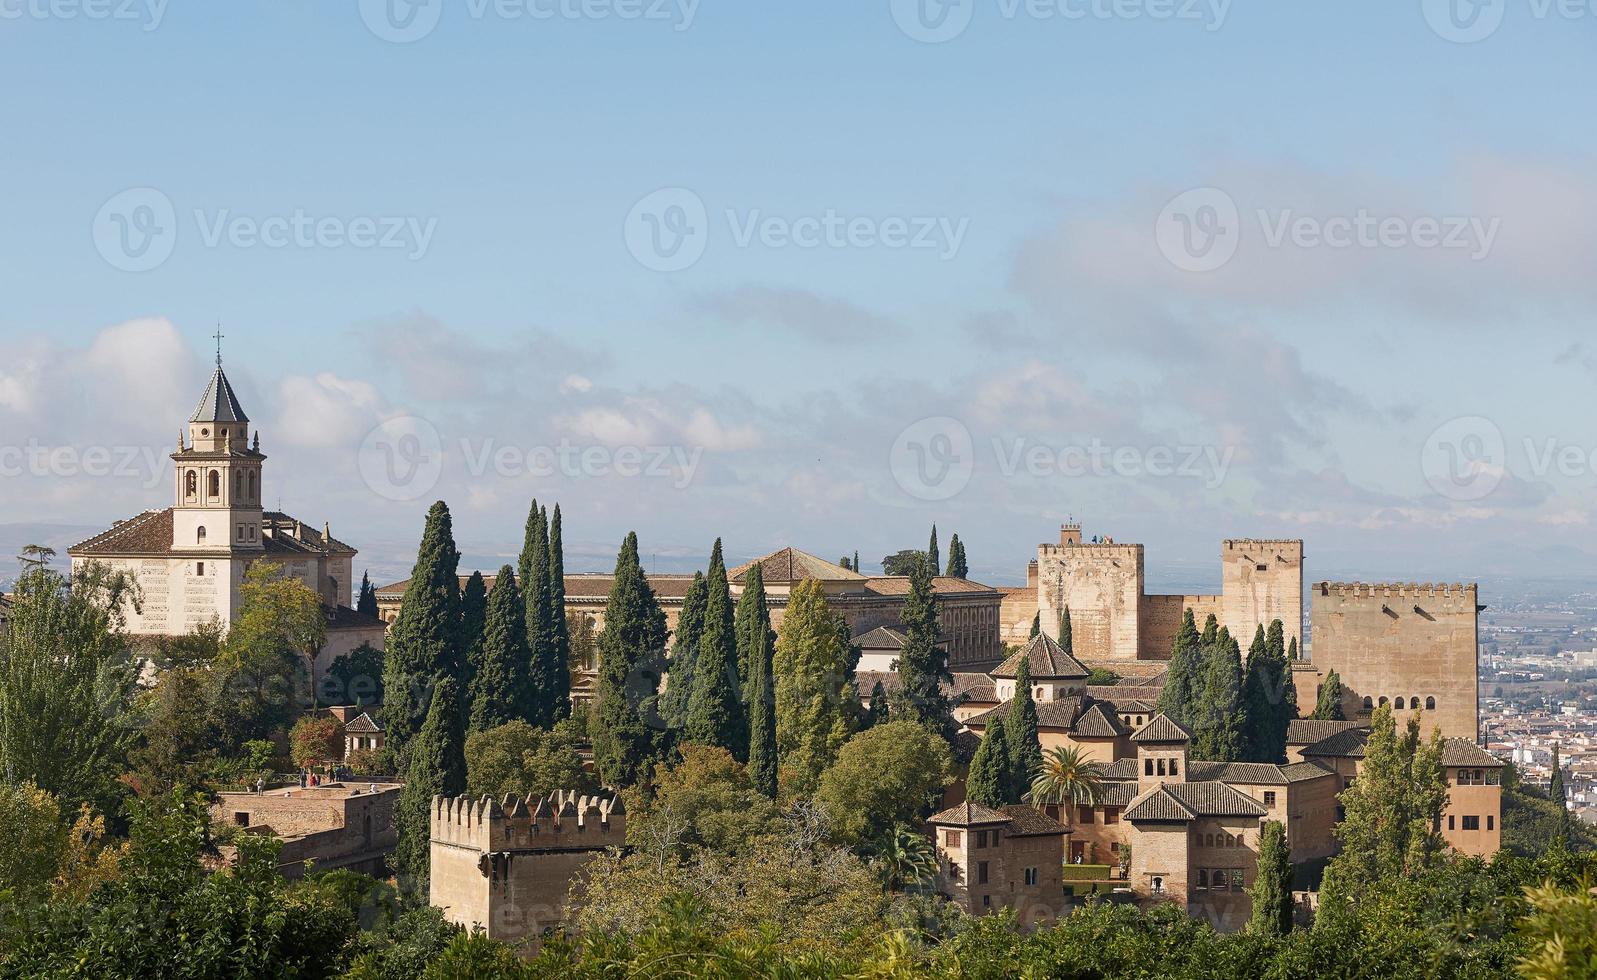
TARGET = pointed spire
x,y
219,404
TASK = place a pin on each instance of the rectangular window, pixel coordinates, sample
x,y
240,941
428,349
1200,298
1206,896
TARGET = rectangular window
x,y
1269,798
1217,881
981,838
1031,876
1450,822
986,901
951,838
1175,767
1203,879
1236,879
1147,767
1084,814
1491,822
981,873
199,568
1111,814
1472,823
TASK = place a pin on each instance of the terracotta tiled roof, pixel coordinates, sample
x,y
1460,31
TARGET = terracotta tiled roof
x,y
1346,744
1254,773
1162,729
364,725
967,687
1061,714
1047,660
219,404
1458,752
345,618
1121,769
1118,793
1028,821
1158,805
1123,692
792,565
150,533
880,638
942,585
1099,722
1307,731
967,814
1186,801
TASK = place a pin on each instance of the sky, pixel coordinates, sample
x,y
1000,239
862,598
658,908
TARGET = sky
x,y
818,274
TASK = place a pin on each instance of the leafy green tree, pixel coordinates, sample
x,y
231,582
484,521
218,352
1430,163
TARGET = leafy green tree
x,y
990,780
538,704
715,711
559,629
933,559
957,566
523,761
923,660
902,562
367,603
1102,677
1392,812
877,712
631,648
761,687
906,857
1025,746
1562,933
315,741
1067,635
424,644
1184,676
1268,699
685,653
500,685
32,841
1271,891
1329,705
355,677
67,684
437,768
1218,732
705,800
1067,778
813,712
895,773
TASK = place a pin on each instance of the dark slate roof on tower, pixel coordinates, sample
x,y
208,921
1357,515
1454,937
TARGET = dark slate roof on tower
x,y
1047,660
219,404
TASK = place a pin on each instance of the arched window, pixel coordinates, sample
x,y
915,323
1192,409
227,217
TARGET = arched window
x,y
1399,704
199,536
191,483
214,483
1367,703
1383,701
1430,704
1158,885
1175,767
238,483
255,486
1208,840
1147,767
1414,703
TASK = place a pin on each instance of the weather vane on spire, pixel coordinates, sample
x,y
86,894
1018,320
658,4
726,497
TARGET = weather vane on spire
x,y
219,336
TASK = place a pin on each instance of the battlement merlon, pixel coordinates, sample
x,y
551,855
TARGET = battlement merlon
x,y
1091,550
565,820
1373,590
1289,548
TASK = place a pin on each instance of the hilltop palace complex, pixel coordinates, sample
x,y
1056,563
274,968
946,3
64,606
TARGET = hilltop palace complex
x,y
1171,827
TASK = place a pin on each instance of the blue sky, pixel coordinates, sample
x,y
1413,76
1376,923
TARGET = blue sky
x,y
1056,145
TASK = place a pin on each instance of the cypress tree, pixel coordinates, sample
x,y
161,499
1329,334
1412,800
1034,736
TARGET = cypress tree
x,y
538,700
1025,748
762,712
990,781
957,568
368,596
1036,626
1560,798
559,636
684,654
1219,736
878,709
424,645
1211,632
1271,891
1183,676
1256,720
437,768
1329,705
753,623
1292,650
922,662
932,556
715,715
473,623
856,559
503,662
630,649
1067,635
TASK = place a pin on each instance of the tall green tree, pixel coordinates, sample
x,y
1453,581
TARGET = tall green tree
x,y
66,685
814,716
1559,798
534,568
424,644
1392,814
1067,778
499,684
957,566
1025,747
1329,705
753,618
559,633
715,711
1271,891
685,653
1184,676
933,559
923,660
1067,634
991,780
1036,626
367,603
1218,733
856,559
631,653
473,621
437,768
1268,696
762,703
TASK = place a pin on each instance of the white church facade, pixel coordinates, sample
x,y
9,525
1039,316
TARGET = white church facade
x,y
190,558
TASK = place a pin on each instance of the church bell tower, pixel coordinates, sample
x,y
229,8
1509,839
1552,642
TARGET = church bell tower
x,y
218,503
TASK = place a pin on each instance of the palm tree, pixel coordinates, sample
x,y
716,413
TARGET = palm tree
x,y
906,858
1066,778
